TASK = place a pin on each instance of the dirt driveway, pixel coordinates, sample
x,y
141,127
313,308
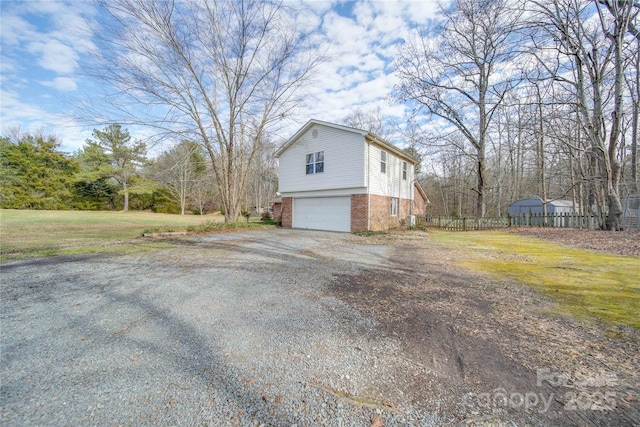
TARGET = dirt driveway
x,y
287,327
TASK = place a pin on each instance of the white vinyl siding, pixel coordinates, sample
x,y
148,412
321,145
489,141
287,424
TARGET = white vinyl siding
x,y
343,161
395,182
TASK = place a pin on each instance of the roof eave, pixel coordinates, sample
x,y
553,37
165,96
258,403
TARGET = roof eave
x,y
422,192
372,137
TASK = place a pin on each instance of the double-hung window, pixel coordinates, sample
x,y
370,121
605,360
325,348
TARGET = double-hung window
x,y
404,171
394,206
383,161
315,162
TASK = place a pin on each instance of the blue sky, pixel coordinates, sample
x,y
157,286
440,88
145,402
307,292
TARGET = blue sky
x,y
46,45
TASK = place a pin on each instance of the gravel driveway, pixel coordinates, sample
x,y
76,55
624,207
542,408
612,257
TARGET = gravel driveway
x,y
242,328
221,329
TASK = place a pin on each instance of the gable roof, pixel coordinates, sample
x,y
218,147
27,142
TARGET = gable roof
x,y
418,187
369,136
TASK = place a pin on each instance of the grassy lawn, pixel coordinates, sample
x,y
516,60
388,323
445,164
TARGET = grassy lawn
x,y
585,283
43,232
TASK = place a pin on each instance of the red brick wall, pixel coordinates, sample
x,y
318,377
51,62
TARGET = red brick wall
x,y
359,212
277,211
380,213
287,219
405,208
381,219
419,204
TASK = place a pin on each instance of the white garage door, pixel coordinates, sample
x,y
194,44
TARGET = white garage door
x,y
323,213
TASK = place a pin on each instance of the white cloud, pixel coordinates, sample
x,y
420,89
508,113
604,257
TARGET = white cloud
x,y
7,66
358,73
69,20
56,45
361,46
12,111
55,56
43,44
31,118
14,29
61,84
70,134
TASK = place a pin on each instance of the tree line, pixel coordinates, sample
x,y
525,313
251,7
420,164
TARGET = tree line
x,y
113,171
527,99
506,99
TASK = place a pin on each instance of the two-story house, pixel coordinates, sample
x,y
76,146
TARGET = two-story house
x,y
333,177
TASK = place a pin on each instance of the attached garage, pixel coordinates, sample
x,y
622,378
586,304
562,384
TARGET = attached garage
x,y
322,213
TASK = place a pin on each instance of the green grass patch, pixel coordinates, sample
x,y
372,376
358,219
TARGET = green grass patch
x,y
33,232
585,283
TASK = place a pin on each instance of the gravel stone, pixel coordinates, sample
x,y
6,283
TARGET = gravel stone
x,y
222,329
291,327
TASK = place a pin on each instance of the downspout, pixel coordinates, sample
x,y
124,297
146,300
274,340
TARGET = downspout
x,y
368,168
400,213
412,188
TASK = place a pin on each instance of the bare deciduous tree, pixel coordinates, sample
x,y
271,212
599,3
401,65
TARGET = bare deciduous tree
x,y
633,84
595,51
622,14
372,121
218,72
460,74
263,181
178,170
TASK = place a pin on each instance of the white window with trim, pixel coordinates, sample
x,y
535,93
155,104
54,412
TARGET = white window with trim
x,y
383,161
404,171
315,162
394,206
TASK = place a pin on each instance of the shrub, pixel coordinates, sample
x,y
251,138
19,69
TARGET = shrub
x,y
265,216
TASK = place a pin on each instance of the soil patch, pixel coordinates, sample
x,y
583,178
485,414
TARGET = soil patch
x,y
481,340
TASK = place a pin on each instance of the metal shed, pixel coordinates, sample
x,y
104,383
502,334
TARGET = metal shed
x,y
534,206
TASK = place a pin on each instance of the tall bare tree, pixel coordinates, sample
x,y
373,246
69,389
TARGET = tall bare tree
x,y
621,16
220,72
179,171
459,73
633,83
370,120
263,181
594,50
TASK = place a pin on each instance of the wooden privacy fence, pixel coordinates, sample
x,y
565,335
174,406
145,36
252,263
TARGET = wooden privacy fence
x,y
566,220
